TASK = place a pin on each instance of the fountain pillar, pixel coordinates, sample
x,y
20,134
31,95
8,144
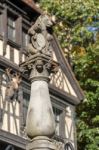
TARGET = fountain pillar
x,y
40,123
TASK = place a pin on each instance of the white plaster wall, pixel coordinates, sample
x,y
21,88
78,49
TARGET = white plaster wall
x,y
61,82
5,125
14,125
16,56
7,52
68,87
2,96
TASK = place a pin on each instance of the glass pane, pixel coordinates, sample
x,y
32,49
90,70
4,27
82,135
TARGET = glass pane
x,y
57,113
57,129
26,98
11,29
1,25
25,38
11,33
11,22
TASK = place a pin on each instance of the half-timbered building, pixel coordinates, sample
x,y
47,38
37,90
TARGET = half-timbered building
x,y
16,17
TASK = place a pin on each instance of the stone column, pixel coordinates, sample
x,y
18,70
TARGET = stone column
x,y
40,123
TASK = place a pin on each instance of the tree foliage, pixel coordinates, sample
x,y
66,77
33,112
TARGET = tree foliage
x,y
77,28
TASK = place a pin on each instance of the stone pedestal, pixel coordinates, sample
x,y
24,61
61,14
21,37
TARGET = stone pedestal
x,y
41,143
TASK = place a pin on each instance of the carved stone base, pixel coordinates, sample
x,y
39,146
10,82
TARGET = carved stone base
x,y
41,143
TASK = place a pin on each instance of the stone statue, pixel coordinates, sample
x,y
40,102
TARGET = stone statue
x,y
13,81
40,37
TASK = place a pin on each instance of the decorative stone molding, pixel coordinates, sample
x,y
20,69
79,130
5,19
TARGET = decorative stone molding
x,y
39,66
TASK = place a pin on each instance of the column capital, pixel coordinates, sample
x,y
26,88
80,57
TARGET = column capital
x,y
40,67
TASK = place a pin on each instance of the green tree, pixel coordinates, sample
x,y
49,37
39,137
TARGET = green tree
x,y
77,28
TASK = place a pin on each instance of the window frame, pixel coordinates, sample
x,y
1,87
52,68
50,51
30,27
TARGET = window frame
x,y
55,104
13,19
25,106
57,115
25,27
11,25
25,89
58,103
25,38
17,19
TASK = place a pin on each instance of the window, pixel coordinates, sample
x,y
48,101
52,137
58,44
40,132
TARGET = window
x,y
11,29
1,24
26,98
1,96
57,115
14,27
25,38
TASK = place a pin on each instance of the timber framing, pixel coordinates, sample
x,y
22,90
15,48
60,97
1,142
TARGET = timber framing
x,y
53,90
25,15
67,69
